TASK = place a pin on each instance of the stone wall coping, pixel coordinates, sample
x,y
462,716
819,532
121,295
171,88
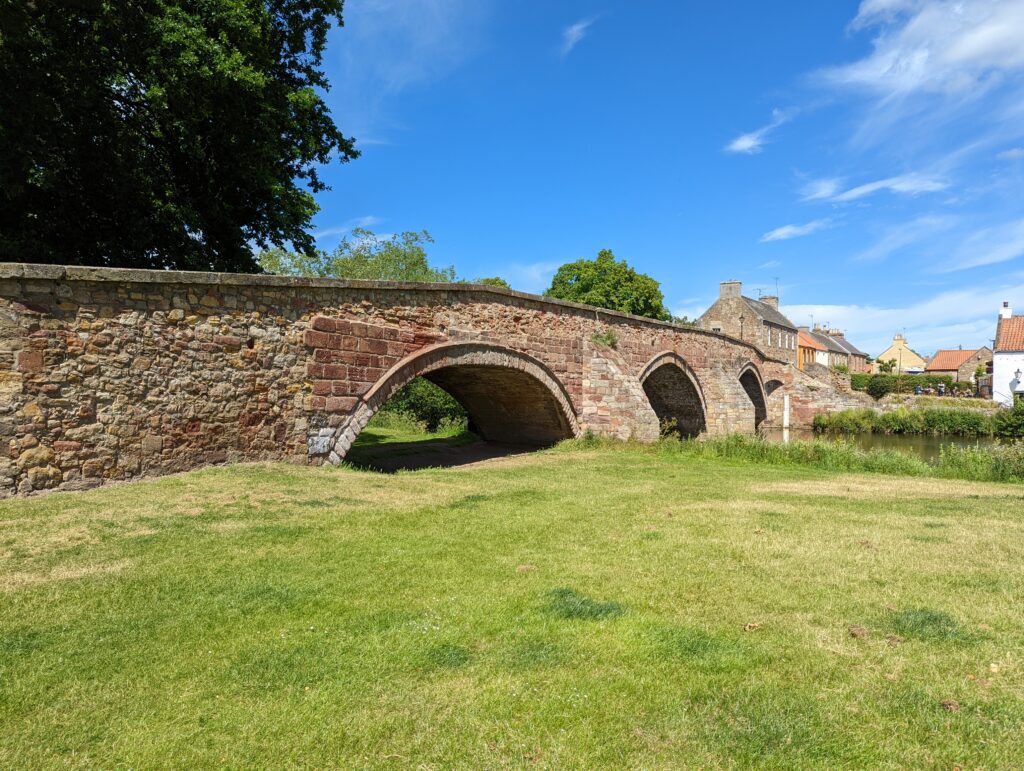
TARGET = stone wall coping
x,y
43,272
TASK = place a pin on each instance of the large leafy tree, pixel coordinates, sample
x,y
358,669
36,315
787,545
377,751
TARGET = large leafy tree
x,y
364,255
609,283
162,133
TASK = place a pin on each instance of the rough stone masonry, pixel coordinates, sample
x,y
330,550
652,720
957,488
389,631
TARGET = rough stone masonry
x,y
112,374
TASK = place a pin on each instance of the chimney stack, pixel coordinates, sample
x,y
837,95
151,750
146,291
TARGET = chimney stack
x,y
729,289
837,333
772,301
1006,311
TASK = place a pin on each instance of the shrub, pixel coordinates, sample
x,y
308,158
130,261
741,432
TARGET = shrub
x,y
842,369
426,403
859,381
880,385
607,338
1010,423
845,422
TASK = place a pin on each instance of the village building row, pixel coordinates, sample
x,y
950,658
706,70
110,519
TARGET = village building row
x,y
761,323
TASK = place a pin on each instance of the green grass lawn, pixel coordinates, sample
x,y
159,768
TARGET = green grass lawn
x,y
576,607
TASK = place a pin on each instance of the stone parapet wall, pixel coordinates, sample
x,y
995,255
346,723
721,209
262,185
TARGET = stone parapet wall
x,y
111,374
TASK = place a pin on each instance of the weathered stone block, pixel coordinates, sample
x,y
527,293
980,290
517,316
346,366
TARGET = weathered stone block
x,y
30,361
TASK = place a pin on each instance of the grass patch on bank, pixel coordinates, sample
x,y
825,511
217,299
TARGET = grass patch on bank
x,y
998,463
597,606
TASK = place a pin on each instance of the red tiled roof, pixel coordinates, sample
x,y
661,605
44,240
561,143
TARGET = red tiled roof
x,y
949,359
1010,334
804,340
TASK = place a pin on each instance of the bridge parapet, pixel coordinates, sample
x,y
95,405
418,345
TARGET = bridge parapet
x,y
111,374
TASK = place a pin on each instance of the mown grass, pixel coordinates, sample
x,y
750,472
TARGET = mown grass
x,y
584,607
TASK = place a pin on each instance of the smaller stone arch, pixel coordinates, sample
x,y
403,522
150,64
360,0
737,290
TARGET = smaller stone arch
x,y
675,393
509,395
750,378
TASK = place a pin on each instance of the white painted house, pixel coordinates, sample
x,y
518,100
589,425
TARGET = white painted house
x,y
1008,357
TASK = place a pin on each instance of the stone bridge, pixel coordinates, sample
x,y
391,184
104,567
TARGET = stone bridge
x,y
110,374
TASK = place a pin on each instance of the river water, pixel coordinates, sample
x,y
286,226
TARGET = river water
x,y
924,446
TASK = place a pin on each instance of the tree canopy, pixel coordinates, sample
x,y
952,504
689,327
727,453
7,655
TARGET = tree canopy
x,y
163,133
363,255
609,283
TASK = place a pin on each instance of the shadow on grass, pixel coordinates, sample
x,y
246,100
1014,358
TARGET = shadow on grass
x,y
439,452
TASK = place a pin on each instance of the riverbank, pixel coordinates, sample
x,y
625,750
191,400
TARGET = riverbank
x,y
997,463
937,421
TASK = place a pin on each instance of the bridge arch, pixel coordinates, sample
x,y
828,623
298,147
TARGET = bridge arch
x,y
509,396
675,393
750,378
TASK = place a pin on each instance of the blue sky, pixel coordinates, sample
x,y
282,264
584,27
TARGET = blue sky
x,y
868,156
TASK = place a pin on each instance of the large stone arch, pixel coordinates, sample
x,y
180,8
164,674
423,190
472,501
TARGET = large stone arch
x,y
750,378
675,393
509,395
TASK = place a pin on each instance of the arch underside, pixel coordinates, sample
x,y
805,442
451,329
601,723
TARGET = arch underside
x,y
752,386
504,405
509,397
674,396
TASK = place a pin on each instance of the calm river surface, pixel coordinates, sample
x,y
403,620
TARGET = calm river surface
x,y
923,446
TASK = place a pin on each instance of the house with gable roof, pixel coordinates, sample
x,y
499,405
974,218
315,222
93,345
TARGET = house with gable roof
x,y
758,322
961,364
1008,357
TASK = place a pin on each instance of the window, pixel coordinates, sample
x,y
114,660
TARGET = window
x,y
716,329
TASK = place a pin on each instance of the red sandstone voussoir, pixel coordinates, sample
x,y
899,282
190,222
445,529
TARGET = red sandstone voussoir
x,y
323,324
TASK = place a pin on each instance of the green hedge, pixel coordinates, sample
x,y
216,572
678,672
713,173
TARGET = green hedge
x,y
881,384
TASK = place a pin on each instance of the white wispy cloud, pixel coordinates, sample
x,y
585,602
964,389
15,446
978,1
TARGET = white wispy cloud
x,y
906,234
786,232
1013,154
944,46
964,317
908,184
989,246
753,141
819,189
574,33
389,46
770,264
340,230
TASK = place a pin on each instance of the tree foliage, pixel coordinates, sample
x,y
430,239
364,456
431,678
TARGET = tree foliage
x,y
609,283
364,256
493,281
162,133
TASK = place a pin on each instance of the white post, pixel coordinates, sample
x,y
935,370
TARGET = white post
x,y
785,410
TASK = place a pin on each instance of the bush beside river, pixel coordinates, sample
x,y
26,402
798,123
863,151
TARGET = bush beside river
x,y
937,421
